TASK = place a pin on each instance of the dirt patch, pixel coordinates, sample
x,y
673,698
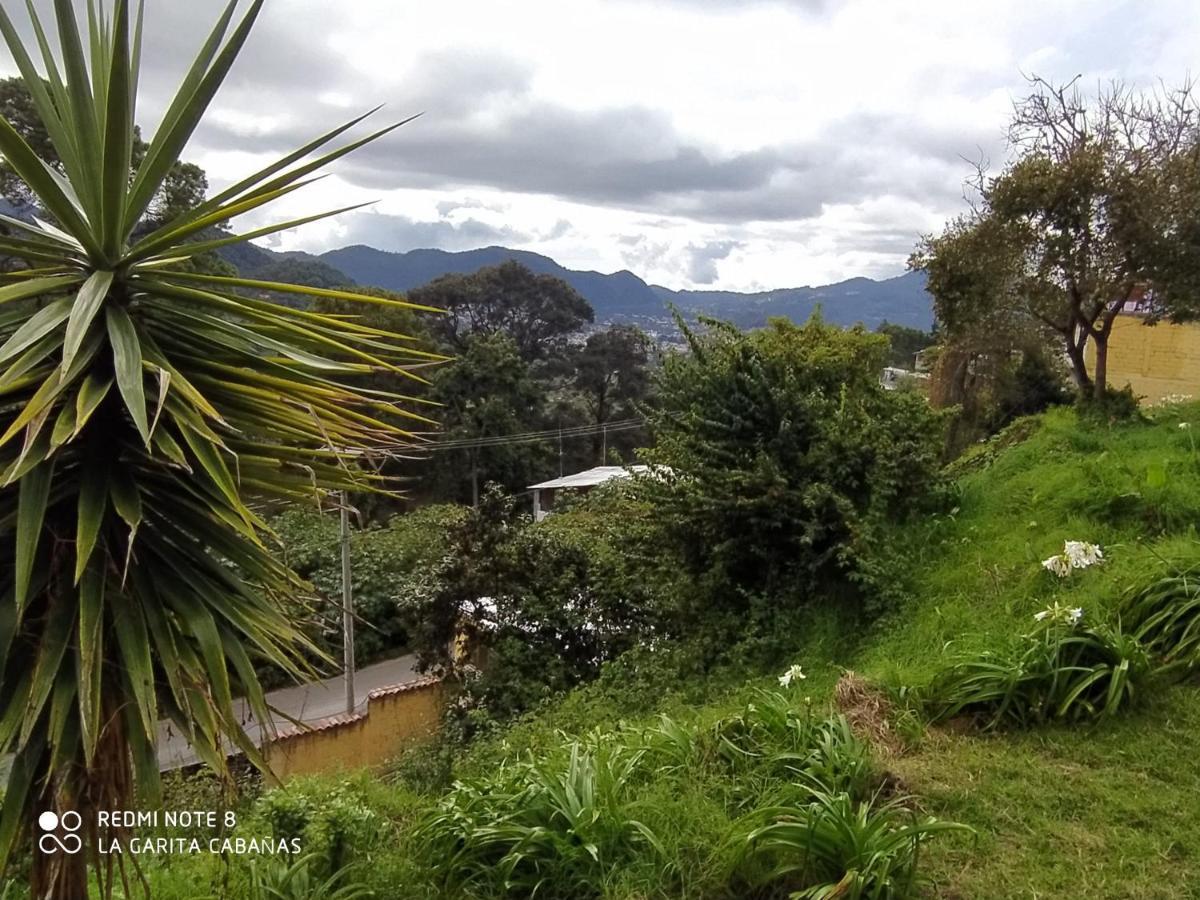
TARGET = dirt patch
x,y
869,711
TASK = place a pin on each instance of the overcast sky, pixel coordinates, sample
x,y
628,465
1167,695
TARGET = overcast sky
x,y
698,143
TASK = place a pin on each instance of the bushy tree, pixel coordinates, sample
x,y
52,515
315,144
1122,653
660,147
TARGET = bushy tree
x,y
1098,207
487,394
785,455
381,556
548,605
611,373
536,312
905,343
986,378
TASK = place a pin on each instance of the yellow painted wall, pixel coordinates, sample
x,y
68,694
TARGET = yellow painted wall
x,y
1157,361
395,718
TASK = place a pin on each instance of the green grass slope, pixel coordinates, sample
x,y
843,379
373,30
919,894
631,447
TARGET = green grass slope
x,y
1110,810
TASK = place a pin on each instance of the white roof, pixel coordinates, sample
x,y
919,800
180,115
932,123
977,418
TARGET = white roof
x,y
590,477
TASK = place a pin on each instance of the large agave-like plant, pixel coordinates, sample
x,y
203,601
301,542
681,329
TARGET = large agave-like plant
x,y
146,411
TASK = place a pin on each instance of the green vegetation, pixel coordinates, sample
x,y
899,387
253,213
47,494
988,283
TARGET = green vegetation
x,y
905,343
782,462
382,558
695,777
1059,672
963,710
517,368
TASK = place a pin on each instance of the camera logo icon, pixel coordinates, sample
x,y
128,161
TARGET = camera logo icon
x,y
70,822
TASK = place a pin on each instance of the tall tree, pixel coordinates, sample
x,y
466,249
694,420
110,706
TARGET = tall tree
x,y
611,373
537,311
487,396
148,411
1099,207
905,343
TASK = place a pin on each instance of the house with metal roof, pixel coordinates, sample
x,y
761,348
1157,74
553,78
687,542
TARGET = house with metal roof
x,y
582,482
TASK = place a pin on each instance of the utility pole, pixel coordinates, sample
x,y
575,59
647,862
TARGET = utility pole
x,y
475,478
347,609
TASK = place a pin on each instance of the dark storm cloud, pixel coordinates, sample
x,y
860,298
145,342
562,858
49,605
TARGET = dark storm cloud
x,y
631,157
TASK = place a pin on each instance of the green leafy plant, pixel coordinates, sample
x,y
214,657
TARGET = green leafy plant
x,y
785,738
835,846
541,601
148,411
333,825
782,458
1165,616
381,558
550,827
281,879
1059,671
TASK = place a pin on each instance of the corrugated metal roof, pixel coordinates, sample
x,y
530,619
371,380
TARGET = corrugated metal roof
x,y
591,477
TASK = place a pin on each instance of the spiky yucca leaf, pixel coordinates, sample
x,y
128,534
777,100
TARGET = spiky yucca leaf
x,y
145,414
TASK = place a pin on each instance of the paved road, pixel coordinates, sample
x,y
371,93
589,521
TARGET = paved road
x,y
308,702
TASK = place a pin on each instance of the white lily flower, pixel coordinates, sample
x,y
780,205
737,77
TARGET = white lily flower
x,y
1062,614
1059,565
792,674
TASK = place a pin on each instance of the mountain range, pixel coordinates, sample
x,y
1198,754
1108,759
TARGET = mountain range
x,y
623,296
616,297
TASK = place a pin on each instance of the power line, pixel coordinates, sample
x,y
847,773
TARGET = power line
x,y
530,437
533,435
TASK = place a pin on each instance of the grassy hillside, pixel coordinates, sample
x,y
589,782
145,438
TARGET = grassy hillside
x,y
1097,811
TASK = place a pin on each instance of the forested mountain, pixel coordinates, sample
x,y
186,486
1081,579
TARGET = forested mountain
x,y
617,297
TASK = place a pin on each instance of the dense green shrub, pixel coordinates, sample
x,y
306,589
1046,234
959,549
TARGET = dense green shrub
x,y
548,604
333,825
783,456
1113,406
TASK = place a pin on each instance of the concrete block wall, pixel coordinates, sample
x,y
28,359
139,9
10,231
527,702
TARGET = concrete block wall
x,y
395,718
1157,361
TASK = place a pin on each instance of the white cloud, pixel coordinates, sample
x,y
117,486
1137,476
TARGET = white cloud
x,y
731,144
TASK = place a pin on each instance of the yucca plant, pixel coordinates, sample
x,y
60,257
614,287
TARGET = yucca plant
x,y
146,410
